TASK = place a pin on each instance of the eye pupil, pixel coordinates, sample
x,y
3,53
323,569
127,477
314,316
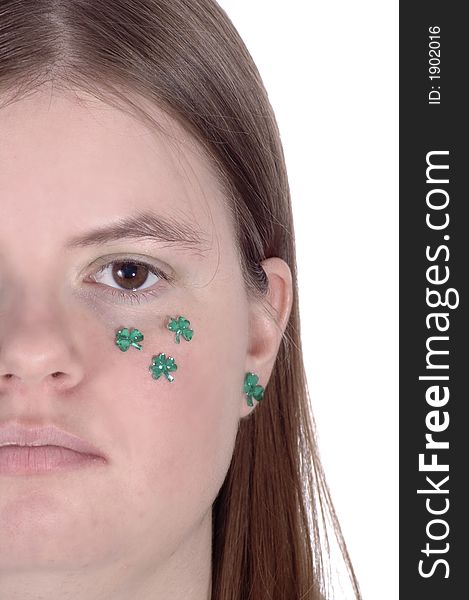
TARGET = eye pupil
x,y
127,274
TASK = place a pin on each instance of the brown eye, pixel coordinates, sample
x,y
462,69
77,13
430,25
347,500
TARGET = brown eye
x,y
128,275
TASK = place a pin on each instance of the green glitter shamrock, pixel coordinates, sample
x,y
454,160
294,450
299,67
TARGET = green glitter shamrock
x,y
252,389
125,339
181,327
162,366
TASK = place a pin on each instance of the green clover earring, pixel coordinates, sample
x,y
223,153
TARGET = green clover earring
x,y
180,326
125,339
162,366
252,389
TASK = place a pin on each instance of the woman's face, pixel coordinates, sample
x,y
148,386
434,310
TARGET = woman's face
x,y
65,169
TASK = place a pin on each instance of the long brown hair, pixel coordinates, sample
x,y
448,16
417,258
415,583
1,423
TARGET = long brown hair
x,y
271,515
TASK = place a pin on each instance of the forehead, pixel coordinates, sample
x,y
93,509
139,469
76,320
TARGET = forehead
x,y
89,162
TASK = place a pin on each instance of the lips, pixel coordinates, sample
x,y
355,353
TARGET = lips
x,y
18,434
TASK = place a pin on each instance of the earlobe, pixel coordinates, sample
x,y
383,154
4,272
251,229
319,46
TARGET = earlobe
x,y
268,319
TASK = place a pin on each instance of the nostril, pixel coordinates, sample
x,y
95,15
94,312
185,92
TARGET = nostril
x,y
55,375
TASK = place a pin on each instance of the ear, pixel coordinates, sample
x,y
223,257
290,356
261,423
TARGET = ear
x,y
268,319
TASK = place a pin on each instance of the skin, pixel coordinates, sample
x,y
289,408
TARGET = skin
x,y
139,526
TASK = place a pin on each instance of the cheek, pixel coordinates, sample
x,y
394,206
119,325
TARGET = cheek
x,y
179,436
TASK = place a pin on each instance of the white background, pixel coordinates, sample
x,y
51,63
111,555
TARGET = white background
x,y
331,71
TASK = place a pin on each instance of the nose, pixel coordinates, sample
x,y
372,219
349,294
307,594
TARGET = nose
x,y
37,351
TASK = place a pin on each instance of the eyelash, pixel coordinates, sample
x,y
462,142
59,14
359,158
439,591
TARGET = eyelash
x,y
129,296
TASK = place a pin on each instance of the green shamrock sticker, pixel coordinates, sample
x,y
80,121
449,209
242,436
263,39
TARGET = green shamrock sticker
x,y
252,389
181,327
162,366
125,339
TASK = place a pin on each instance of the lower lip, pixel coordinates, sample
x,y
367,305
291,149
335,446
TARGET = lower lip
x,y
34,460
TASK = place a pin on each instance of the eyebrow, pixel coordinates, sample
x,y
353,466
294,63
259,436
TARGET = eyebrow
x,y
145,225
